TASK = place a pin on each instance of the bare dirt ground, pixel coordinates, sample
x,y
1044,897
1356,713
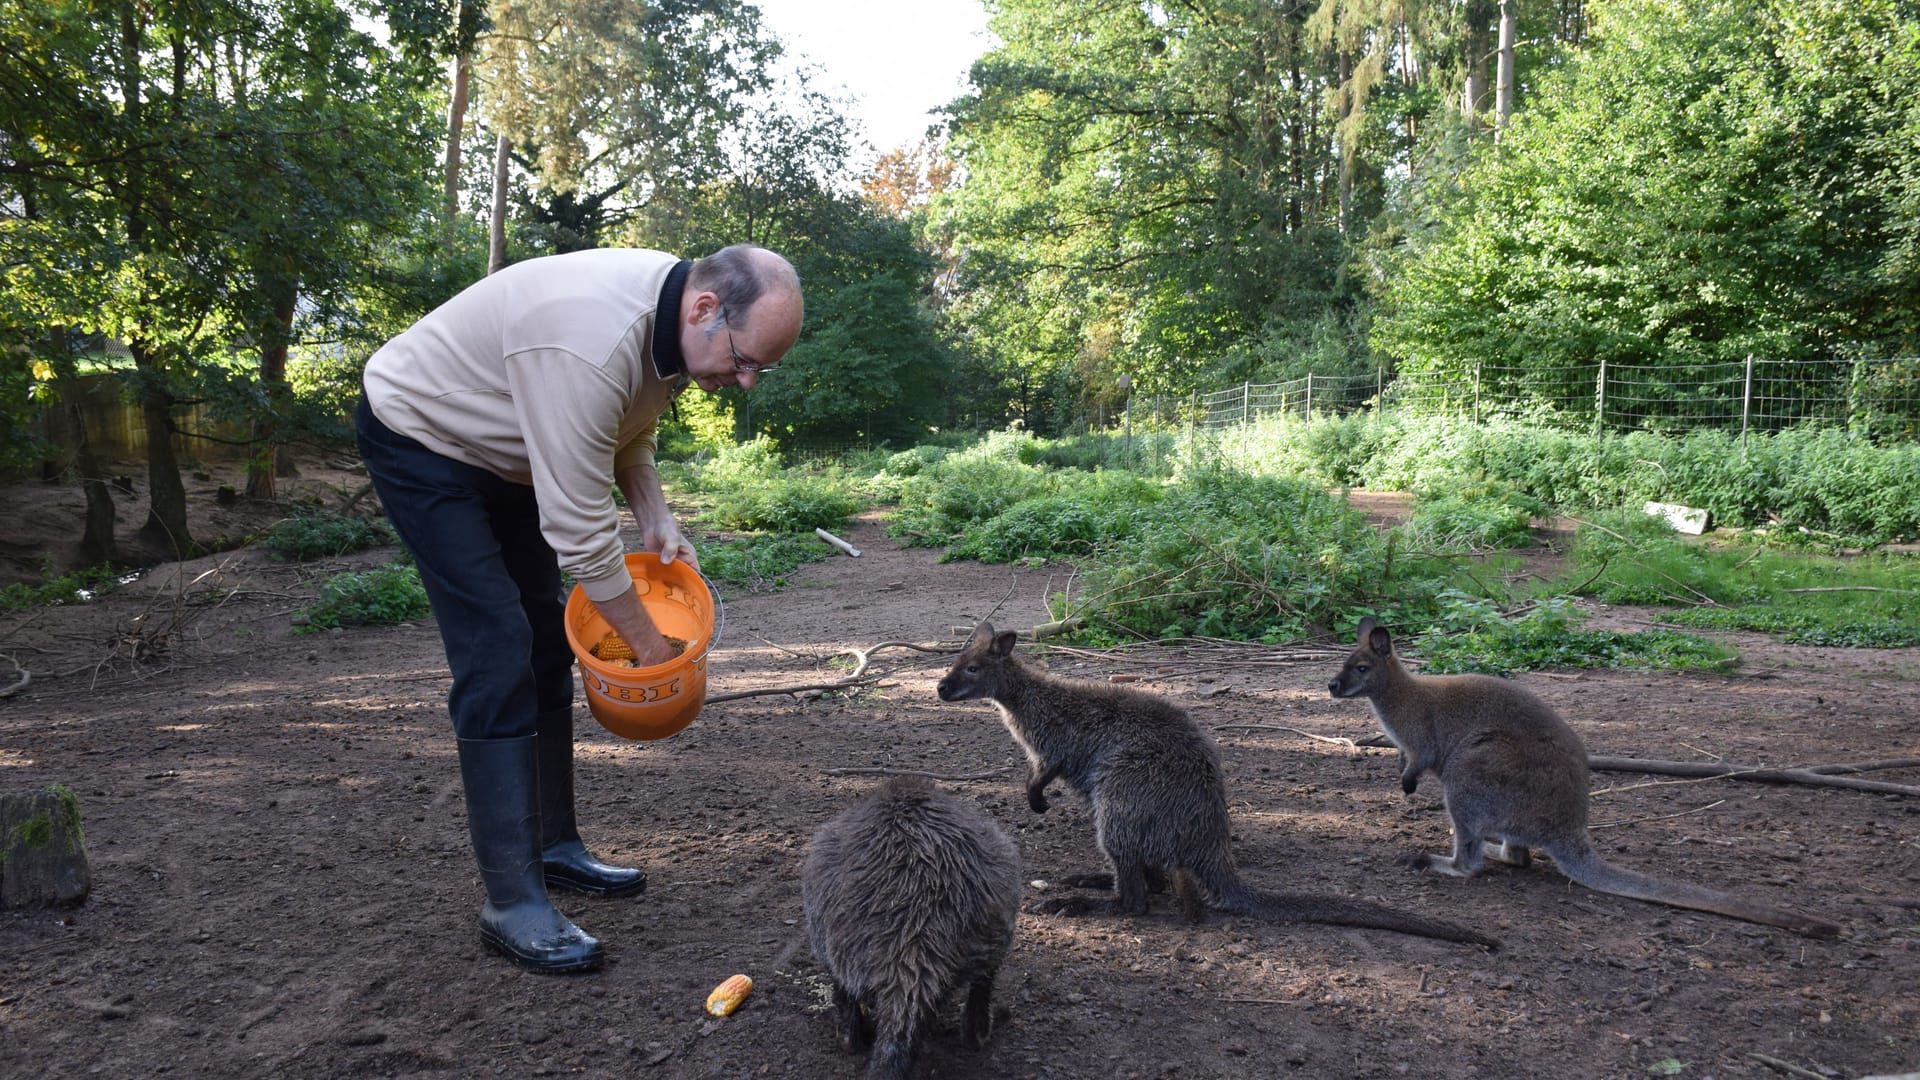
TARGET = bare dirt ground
x,y
283,885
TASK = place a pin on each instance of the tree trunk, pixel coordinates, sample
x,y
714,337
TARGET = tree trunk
x,y
1347,138
97,543
497,231
263,461
456,119
1503,87
166,525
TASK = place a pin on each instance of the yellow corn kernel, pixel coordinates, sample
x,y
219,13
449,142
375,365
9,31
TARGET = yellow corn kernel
x,y
728,995
612,647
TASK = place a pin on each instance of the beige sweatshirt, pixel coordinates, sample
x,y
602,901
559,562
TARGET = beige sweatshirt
x,y
545,374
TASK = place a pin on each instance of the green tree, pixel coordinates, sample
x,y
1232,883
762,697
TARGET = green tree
x,y
1708,182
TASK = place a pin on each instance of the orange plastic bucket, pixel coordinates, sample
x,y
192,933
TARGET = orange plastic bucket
x,y
650,702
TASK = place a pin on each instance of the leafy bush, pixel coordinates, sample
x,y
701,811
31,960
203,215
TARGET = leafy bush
x,y
1088,508
1251,558
322,534
1474,515
72,587
790,503
760,563
382,596
936,506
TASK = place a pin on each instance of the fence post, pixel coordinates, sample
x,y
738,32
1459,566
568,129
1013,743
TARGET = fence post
x,y
1246,402
1309,415
1600,400
1476,390
1746,408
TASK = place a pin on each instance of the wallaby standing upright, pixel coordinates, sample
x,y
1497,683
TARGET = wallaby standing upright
x,y
910,894
1513,773
1157,790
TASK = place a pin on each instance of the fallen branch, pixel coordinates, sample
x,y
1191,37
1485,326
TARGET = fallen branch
x,y
879,771
866,654
1786,1067
26,678
770,691
1808,776
1282,727
1656,817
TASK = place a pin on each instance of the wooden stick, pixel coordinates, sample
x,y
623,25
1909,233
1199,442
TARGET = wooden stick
x,y
26,677
1786,1067
837,542
1656,817
1282,727
843,684
879,771
1755,773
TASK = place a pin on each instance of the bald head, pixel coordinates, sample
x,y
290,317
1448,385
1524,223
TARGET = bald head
x,y
742,276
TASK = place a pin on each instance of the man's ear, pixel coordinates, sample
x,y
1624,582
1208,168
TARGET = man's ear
x,y
704,306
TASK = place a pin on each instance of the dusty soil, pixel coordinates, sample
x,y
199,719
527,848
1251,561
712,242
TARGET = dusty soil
x,y
283,886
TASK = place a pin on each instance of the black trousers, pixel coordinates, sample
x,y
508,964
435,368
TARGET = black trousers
x,y
492,579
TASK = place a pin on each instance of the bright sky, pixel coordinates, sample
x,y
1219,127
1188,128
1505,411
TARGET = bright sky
x,y
898,58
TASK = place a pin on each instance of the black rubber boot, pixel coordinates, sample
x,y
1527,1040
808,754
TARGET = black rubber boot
x,y
503,813
567,861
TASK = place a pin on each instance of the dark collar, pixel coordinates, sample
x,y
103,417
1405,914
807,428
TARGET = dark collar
x,y
668,363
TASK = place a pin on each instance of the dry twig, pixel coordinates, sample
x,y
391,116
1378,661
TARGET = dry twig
x,y
1335,739
881,771
1810,776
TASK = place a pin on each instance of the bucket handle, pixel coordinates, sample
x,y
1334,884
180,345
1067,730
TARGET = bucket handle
x,y
719,618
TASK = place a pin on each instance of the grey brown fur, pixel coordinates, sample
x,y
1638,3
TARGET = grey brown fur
x,y
910,895
1155,784
1513,773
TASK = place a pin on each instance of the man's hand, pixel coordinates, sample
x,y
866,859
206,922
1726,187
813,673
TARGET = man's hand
x,y
662,536
630,620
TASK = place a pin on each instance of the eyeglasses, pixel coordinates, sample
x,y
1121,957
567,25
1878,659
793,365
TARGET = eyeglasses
x,y
740,363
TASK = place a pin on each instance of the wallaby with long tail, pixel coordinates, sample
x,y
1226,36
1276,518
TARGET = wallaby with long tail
x,y
1514,777
1157,790
910,894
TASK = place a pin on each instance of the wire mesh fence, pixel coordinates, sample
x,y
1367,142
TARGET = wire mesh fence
x,y
1876,399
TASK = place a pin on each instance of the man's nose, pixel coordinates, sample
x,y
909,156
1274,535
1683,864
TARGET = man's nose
x,y
746,379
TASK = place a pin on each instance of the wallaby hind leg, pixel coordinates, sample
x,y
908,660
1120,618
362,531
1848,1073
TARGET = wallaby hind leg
x,y
1509,852
1193,899
1156,881
1129,895
1468,848
855,1029
976,1023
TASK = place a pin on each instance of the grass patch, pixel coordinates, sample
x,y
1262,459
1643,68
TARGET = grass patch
x,y
1870,601
1474,638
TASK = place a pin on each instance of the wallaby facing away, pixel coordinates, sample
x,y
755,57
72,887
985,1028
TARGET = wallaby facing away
x,y
1512,773
909,894
1156,787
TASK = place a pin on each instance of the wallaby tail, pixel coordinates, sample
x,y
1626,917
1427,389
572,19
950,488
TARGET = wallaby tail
x,y
1588,868
1338,911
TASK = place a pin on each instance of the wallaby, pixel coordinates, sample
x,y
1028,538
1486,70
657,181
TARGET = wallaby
x,y
910,894
1514,777
1157,790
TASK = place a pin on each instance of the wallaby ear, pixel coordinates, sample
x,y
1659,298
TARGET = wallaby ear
x,y
982,632
1380,641
1365,630
1003,643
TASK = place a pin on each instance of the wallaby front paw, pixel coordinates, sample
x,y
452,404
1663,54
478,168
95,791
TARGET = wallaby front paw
x,y
1068,905
1417,861
1037,800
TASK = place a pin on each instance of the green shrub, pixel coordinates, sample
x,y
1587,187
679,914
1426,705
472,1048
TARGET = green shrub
x,y
1251,558
323,534
935,506
382,596
1087,509
1473,515
759,563
76,586
789,503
